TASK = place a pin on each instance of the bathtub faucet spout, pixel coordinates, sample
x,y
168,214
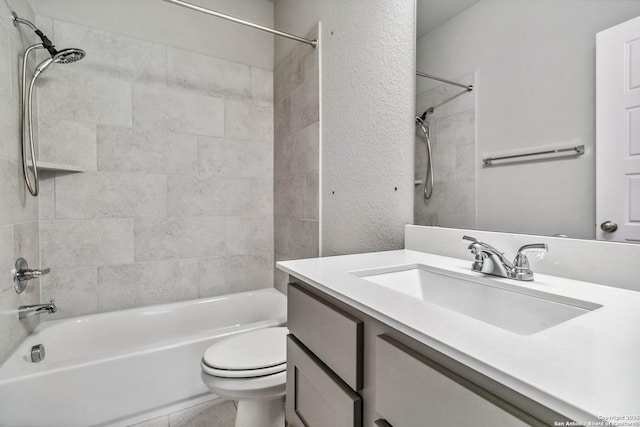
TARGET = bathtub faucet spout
x,y
25,311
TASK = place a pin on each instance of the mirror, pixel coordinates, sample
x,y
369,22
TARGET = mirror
x,y
532,65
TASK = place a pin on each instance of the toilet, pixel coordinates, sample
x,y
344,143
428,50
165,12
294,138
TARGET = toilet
x,y
251,369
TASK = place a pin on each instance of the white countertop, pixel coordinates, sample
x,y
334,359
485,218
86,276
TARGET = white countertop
x,y
584,368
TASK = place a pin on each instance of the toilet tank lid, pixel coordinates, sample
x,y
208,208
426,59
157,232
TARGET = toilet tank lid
x,y
249,350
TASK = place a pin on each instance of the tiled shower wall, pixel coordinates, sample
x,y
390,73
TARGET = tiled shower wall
x,y
18,209
453,139
296,156
177,200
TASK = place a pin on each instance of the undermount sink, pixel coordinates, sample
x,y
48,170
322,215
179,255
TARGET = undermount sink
x,y
513,308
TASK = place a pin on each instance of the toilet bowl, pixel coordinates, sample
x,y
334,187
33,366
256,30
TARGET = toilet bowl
x,y
251,369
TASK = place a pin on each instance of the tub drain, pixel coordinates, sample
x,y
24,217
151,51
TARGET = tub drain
x,y
37,353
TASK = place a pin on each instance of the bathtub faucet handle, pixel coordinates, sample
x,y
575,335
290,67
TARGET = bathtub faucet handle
x,y
22,273
32,274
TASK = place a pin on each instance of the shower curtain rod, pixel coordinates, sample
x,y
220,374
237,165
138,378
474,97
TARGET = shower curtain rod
x,y
313,43
469,88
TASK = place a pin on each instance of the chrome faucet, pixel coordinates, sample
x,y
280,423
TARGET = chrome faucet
x,y
25,311
489,260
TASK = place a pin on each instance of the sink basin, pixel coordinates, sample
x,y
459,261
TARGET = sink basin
x,y
513,308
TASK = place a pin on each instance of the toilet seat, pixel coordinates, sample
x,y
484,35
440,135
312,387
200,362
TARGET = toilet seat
x,y
252,354
247,373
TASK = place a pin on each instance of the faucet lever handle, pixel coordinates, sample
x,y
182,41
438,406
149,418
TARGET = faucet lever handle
x,y
22,273
471,239
534,247
521,267
477,243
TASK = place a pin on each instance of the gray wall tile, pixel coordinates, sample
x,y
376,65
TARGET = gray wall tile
x,y
296,238
166,238
212,278
298,153
12,330
67,142
238,273
86,242
177,111
213,196
153,151
465,163
312,196
288,74
296,158
47,196
306,149
261,84
196,196
249,235
234,158
249,120
26,243
10,125
7,258
110,195
175,184
118,56
249,197
5,64
289,196
134,285
281,122
67,93
305,106
75,291
17,205
281,279
206,74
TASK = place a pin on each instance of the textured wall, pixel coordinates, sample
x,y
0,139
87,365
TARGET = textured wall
x,y
296,156
178,199
453,147
367,80
18,209
535,89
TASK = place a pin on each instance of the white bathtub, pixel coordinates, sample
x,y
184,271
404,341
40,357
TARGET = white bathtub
x,y
110,368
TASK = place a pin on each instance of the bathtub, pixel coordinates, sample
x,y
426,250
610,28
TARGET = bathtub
x,y
114,368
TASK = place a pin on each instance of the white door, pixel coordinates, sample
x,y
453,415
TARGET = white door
x,y
618,133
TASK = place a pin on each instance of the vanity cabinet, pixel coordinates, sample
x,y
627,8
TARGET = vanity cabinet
x,y
346,368
324,363
316,396
414,391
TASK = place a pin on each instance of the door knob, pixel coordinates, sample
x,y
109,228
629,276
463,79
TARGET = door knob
x,y
609,226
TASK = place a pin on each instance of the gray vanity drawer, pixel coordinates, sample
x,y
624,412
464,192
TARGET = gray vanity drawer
x,y
414,391
316,397
331,334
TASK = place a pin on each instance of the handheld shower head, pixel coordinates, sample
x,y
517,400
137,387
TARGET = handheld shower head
x,y
68,56
41,67
65,56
